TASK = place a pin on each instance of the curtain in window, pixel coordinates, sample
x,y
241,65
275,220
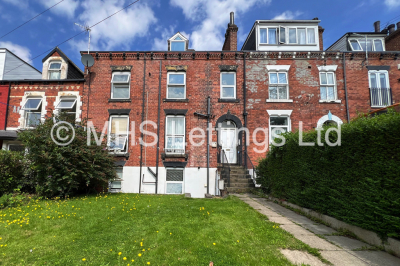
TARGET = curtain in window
x,y
310,36
302,36
175,126
263,35
272,36
119,125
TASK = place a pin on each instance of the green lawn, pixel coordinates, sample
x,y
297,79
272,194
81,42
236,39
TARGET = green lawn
x,y
122,229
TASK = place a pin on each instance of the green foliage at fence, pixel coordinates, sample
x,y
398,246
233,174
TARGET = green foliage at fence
x,y
12,171
357,182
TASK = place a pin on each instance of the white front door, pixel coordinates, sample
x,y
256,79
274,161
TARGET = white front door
x,y
228,143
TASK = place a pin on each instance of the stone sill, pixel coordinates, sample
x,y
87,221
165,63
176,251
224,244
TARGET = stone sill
x,y
176,100
279,101
119,100
330,101
175,155
228,100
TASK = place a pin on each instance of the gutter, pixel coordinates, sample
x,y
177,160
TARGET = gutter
x,y
345,88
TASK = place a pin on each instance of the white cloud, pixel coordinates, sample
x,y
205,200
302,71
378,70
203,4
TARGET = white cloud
x,y
22,4
20,51
214,16
288,15
66,8
392,3
120,29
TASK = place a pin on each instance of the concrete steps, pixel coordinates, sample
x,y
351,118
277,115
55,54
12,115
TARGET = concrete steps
x,y
240,180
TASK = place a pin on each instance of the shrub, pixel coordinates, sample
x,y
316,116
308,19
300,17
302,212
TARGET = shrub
x,y
12,169
357,182
59,171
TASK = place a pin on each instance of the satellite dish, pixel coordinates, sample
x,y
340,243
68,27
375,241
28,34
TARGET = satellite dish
x,y
87,60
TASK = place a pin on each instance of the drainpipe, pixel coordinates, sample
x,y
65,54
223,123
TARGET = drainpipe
x,y
208,144
244,109
87,111
158,126
345,88
141,134
8,105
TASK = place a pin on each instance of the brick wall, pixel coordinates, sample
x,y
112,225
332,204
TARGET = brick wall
x,y
3,105
392,42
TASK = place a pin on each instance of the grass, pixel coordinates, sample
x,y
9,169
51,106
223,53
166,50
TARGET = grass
x,y
122,229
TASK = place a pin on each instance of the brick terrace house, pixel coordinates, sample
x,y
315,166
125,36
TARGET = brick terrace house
x,y
58,88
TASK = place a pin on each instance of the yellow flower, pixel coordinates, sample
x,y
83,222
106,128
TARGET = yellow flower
x,y
124,258
214,244
119,253
238,241
170,233
133,260
83,259
148,263
141,244
143,250
139,255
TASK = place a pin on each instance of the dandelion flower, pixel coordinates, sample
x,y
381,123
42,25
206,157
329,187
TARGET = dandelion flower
x,y
139,254
148,263
83,259
119,253
214,244
238,241
124,258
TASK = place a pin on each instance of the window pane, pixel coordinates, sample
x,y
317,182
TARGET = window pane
x,y
382,78
120,78
178,46
175,125
16,147
119,125
66,104
178,38
292,36
273,94
54,75
372,78
176,92
331,93
177,79
282,92
310,36
278,121
116,185
272,36
378,45
118,142
55,65
282,78
263,35
32,119
355,46
323,78
323,93
121,92
175,143
174,188
228,79
228,92
369,45
174,175
273,78
278,131
119,171
302,36
32,104
330,78
282,35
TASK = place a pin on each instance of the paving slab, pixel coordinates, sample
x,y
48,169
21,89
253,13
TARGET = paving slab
x,y
316,242
319,229
296,230
300,257
379,258
346,242
280,220
342,258
269,213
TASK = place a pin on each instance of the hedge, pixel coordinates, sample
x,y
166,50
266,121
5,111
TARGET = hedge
x,y
12,171
357,182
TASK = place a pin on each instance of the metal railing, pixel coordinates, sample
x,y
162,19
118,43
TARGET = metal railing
x,y
251,170
225,169
380,97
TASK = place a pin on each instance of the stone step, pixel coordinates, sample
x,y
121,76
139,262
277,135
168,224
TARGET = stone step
x,y
244,185
243,176
238,190
241,180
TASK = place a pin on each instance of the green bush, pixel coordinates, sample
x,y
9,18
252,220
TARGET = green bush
x,y
59,171
12,170
357,182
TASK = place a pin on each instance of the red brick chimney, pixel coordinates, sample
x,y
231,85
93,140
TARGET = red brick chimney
x,y
230,43
321,39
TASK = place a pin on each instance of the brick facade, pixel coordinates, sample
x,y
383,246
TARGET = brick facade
x,y
3,105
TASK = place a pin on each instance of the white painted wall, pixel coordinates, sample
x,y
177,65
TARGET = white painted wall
x,y
2,62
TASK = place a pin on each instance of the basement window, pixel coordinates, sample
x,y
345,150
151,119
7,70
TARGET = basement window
x,y
116,184
174,181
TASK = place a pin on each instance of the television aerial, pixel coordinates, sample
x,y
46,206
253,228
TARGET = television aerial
x,y
88,30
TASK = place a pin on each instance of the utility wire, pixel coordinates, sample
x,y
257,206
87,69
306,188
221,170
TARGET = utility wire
x,y
75,35
30,19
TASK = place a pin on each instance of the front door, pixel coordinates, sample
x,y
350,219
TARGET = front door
x,y
228,143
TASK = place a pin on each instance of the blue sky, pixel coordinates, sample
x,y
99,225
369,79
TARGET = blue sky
x,y
148,24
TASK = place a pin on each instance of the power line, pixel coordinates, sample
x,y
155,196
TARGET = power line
x,y
75,35
393,19
30,19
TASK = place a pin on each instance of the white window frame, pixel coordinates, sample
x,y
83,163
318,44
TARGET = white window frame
x,y
288,127
109,135
175,182
277,28
174,135
286,35
120,84
278,85
177,85
223,86
54,70
380,86
334,85
27,111
68,98
368,39
174,40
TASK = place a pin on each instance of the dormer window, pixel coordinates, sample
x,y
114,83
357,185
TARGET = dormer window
x,y
372,44
55,70
178,43
287,35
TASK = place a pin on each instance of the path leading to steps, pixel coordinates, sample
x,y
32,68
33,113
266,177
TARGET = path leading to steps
x,y
339,250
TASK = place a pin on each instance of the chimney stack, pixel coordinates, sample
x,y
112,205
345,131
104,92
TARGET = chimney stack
x,y
377,26
392,28
398,25
230,43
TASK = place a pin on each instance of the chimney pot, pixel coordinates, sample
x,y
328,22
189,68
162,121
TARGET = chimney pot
x,y
232,18
398,25
392,28
377,26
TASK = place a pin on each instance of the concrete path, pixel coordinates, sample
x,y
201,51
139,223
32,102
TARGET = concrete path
x,y
339,250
